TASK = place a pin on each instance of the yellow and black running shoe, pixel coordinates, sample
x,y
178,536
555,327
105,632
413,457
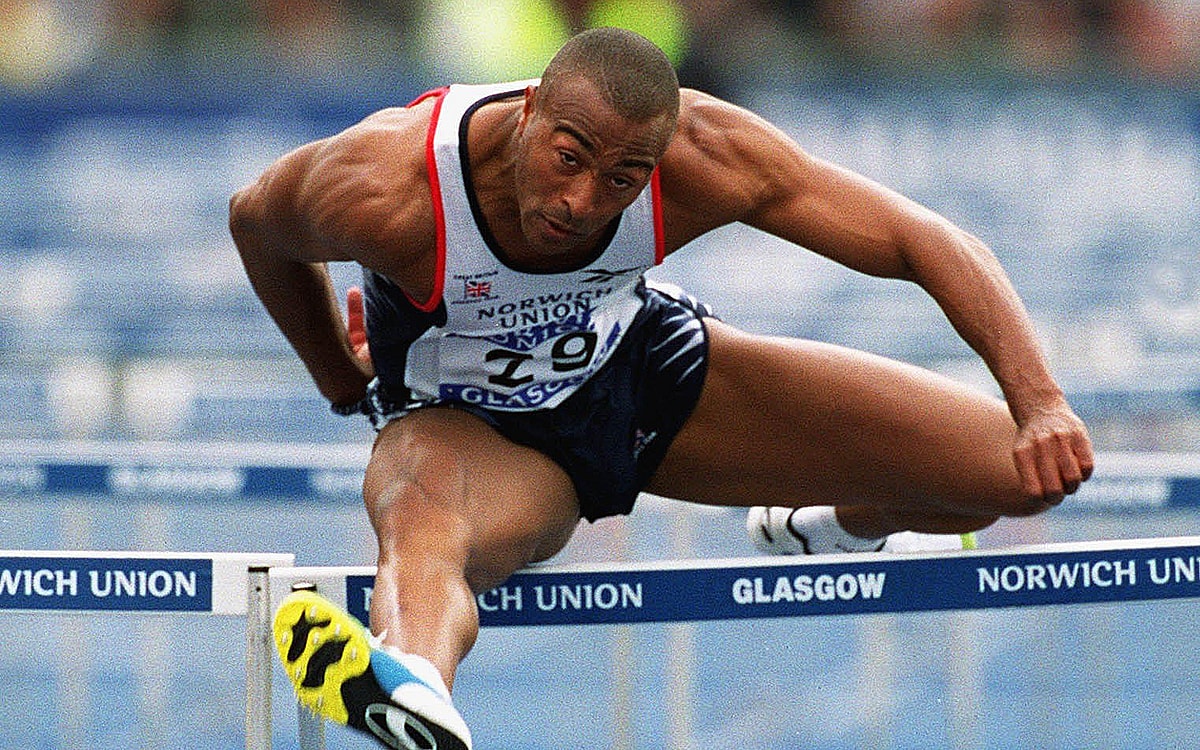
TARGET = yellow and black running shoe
x,y
343,673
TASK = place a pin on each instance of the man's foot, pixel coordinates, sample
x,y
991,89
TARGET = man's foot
x,y
815,531
341,672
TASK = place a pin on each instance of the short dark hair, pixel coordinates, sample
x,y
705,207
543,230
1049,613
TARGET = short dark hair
x,y
633,75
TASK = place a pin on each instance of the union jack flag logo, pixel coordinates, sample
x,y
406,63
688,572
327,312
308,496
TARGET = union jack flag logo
x,y
477,289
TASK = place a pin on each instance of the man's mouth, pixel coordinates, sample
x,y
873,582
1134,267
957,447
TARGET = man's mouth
x,y
558,229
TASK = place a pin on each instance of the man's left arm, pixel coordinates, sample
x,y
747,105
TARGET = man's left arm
x,y
863,225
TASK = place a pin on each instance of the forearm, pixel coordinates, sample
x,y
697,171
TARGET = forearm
x,y
301,300
976,295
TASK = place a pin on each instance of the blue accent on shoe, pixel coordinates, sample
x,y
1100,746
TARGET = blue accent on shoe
x,y
390,673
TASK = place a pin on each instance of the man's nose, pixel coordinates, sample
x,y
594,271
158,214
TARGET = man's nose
x,y
580,196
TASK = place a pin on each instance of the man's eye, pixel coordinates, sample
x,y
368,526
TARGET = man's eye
x,y
568,158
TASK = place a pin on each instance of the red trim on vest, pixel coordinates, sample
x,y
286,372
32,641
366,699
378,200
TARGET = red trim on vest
x,y
440,91
439,214
660,242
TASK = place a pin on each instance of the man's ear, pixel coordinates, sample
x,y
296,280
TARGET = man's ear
x,y
527,108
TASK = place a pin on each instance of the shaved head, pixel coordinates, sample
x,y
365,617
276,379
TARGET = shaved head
x,y
629,71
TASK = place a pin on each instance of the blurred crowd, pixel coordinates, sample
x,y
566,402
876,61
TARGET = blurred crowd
x,y
717,43
1159,38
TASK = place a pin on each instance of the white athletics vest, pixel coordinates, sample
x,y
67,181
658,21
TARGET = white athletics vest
x,y
516,340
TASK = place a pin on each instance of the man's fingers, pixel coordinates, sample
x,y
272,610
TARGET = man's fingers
x,y
1027,469
1049,471
1053,457
1082,448
1068,465
354,304
355,318
1047,475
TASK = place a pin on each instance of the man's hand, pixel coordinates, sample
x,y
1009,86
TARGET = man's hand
x,y
356,327
1053,453
356,333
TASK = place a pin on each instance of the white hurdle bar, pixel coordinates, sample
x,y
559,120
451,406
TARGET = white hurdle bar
x,y
775,587
215,583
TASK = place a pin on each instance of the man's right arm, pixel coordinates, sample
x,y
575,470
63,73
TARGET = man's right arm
x,y
275,223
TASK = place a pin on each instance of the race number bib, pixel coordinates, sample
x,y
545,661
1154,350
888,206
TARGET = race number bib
x,y
535,367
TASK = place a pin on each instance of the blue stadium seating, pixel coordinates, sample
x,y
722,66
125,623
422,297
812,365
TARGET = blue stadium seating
x,y
113,239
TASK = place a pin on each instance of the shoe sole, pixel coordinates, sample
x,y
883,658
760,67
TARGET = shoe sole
x,y
327,656
321,648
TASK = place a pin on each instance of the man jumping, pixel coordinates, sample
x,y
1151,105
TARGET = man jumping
x,y
523,375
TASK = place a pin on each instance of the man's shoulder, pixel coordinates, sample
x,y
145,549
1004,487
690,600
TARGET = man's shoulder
x,y
706,132
719,166
391,139
397,122
700,112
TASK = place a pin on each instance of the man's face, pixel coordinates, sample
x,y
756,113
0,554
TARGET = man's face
x,y
579,164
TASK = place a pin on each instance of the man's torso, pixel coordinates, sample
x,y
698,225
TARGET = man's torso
x,y
496,335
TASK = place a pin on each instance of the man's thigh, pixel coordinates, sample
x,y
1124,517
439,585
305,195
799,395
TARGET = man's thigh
x,y
790,422
448,475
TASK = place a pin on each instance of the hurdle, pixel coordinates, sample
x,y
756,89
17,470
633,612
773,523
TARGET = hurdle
x,y
160,477
182,583
690,591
